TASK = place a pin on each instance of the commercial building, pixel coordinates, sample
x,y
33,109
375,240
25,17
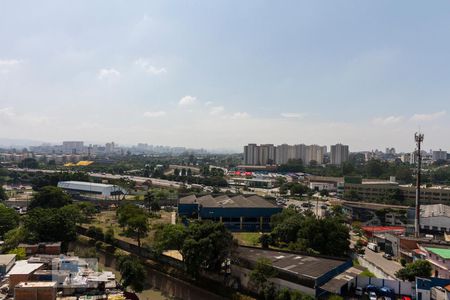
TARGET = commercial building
x,y
439,155
435,218
238,213
376,190
339,154
100,189
73,147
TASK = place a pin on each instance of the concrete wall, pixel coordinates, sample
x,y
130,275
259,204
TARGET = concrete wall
x,y
399,287
244,277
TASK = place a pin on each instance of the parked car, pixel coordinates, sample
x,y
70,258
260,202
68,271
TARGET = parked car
x,y
387,256
374,247
359,291
371,288
373,296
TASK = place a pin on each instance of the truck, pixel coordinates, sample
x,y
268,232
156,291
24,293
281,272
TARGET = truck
x,y
374,247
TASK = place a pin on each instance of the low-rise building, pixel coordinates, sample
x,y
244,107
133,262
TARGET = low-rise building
x,y
296,271
35,290
238,213
435,218
439,257
6,263
99,189
42,248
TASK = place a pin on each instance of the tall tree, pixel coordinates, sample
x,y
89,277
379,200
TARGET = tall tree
x,y
418,268
9,219
50,197
139,226
132,272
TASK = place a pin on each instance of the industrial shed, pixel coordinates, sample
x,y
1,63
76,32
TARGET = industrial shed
x,y
104,190
238,213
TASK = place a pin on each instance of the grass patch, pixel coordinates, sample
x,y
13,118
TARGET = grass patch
x,y
247,238
367,273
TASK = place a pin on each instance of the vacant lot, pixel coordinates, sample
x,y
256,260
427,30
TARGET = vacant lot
x,y
108,219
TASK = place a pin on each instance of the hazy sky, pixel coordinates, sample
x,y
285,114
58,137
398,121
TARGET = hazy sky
x,y
221,74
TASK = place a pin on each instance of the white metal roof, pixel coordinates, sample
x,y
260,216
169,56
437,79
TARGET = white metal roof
x,y
22,267
90,186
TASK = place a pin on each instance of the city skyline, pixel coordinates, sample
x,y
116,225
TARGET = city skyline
x,y
318,72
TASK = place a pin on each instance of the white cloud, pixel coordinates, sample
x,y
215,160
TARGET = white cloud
x,y
387,120
9,116
108,74
428,117
187,101
240,115
216,110
149,68
7,64
154,114
208,103
6,112
292,115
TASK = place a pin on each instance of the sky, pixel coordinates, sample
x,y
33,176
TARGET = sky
x,y
221,74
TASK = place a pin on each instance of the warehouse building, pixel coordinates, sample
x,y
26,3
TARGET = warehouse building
x,y
105,191
317,276
238,213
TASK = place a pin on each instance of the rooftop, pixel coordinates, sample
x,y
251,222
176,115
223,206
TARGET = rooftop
x,y
442,252
434,210
298,264
225,201
85,183
22,267
6,258
33,284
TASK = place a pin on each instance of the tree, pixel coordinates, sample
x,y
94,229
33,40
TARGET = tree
x,y
262,272
418,268
132,272
170,237
265,240
3,195
139,226
29,163
327,236
14,237
206,246
9,219
50,197
19,252
50,225
375,168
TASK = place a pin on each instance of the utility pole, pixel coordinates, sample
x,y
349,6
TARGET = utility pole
x,y
419,139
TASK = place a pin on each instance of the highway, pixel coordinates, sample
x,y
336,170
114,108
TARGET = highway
x,y
139,179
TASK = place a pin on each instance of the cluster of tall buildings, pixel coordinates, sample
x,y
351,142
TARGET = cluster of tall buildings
x,y
269,154
76,148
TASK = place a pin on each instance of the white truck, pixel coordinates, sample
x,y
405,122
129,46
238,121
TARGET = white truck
x,y
374,247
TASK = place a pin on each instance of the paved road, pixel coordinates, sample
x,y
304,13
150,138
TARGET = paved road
x,y
388,266
155,181
316,210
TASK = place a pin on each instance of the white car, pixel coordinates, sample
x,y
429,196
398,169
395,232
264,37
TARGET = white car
x,y
373,296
